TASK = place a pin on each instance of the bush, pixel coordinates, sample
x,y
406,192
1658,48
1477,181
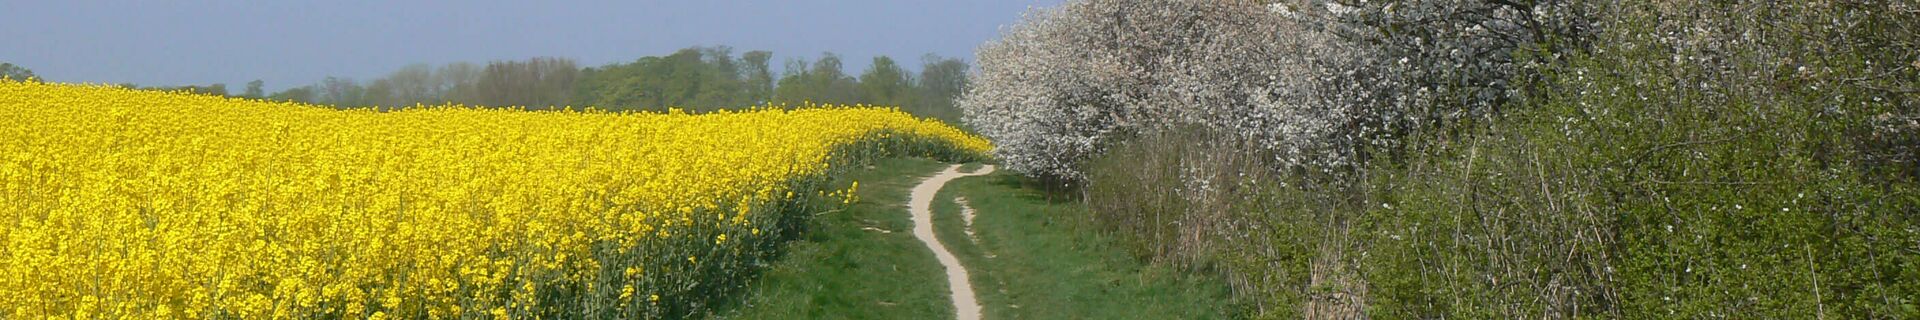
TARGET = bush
x,y
1059,86
1688,160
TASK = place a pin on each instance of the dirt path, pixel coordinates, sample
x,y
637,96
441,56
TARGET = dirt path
x,y
965,306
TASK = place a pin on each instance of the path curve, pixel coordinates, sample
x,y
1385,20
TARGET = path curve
x,y
965,306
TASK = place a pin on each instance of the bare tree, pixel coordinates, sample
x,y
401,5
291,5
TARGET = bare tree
x,y
537,82
457,82
342,92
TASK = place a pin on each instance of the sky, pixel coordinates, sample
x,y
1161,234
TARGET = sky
x,y
294,43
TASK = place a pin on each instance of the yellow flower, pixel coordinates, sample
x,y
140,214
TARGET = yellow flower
x,y
261,207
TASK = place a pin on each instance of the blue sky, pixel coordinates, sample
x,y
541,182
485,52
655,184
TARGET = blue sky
x,y
292,43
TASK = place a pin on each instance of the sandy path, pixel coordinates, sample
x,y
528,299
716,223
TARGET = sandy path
x,y
965,306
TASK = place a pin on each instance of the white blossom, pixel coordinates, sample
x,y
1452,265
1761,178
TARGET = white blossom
x,y
1311,83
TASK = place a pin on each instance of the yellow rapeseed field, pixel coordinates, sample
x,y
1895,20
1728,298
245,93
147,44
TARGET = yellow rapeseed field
x,y
144,204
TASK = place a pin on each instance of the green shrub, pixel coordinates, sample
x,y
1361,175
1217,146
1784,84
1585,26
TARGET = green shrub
x,y
1721,159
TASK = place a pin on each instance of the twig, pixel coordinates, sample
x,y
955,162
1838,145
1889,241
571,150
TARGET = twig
x,y
1638,159
1717,183
1863,83
1819,304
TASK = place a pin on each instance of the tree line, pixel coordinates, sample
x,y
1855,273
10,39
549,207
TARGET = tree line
x,y
695,79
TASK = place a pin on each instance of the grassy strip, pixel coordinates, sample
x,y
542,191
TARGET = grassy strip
x,y
715,275
1043,258
1049,261
859,262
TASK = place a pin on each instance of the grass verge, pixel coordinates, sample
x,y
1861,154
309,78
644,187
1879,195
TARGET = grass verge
x,y
1043,258
1048,260
857,263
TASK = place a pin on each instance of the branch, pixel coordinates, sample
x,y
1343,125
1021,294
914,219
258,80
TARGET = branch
x,y
1712,183
1637,160
1863,83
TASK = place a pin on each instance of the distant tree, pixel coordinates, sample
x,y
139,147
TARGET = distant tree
x,y
340,92
303,94
792,80
11,71
697,78
758,75
620,86
537,82
379,93
213,89
823,82
456,82
942,80
720,80
417,84
674,80
255,89
828,71
885,83
413,84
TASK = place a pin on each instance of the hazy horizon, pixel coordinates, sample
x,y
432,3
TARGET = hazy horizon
x,y
288,44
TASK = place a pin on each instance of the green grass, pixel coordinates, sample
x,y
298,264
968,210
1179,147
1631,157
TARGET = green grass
x,y
1049,262
858,263
1041,258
